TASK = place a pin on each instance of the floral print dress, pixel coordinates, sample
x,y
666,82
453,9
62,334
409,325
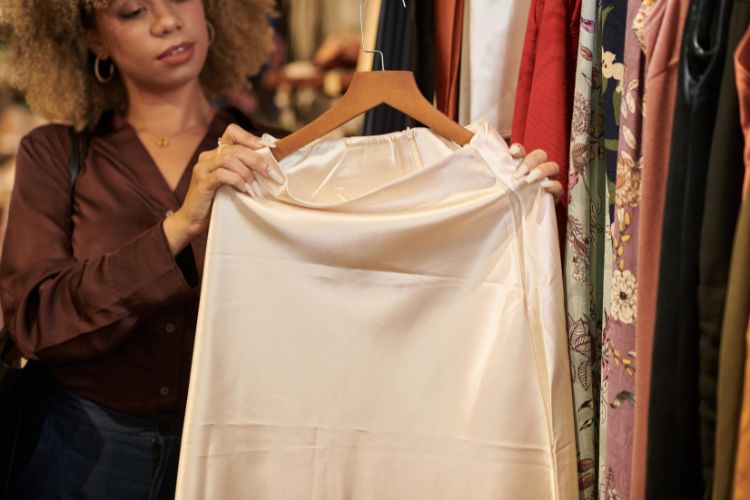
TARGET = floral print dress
x,y
584,246
612,17
621,327
588,250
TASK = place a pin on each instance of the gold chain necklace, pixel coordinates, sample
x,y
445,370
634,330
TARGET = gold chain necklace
x,y
163,141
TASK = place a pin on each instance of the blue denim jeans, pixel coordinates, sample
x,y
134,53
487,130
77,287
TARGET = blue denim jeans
x,y
76,449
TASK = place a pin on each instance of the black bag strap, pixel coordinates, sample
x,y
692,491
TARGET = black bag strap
x,y
79,147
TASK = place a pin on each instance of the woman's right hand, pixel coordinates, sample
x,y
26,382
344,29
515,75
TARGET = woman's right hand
x,y
234,163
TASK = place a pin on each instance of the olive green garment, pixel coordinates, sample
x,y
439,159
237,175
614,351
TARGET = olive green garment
x,y
732,358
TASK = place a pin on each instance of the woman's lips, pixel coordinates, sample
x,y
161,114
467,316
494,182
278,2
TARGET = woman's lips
x,y
177,54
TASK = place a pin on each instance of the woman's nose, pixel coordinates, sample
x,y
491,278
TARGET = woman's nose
x,y
166,19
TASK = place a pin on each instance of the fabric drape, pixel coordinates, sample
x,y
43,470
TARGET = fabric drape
x,y
674,455
742,466
611,17
406,38
387,323
546,79
723,195
492,46
583,249
733,320
662,35
620,354
732,360
742,71
449,23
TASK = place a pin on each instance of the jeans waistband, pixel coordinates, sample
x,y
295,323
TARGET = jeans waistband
x,y
74,408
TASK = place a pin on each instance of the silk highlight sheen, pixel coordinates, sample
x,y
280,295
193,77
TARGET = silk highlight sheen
x,y
387,324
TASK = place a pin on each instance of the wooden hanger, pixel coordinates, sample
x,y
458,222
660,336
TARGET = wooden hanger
x,y
368,89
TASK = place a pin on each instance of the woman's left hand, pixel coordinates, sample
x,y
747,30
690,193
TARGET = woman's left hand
x,y
536,167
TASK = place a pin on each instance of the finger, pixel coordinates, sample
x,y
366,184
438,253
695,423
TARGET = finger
x,y
546,169
226,177
530,162
517,150
554,188
229,161
247,157
255,161
535,158
234,134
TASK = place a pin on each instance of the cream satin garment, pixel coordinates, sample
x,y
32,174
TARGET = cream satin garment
x,y
387,324
492,46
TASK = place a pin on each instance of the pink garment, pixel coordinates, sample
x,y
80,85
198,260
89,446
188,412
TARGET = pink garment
x,y
621,321
663,37
742,72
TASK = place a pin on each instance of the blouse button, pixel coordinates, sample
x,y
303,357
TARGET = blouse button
x,y
170,328
164,391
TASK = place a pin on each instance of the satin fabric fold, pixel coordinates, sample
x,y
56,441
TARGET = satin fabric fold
x,y
387,323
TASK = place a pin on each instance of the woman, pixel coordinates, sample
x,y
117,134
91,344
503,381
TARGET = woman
x,y
105,294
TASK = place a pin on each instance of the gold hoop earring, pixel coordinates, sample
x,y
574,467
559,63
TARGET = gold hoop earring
x,y
211,32
98,73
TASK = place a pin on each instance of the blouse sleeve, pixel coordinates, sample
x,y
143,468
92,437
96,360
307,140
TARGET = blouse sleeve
x,y
59,309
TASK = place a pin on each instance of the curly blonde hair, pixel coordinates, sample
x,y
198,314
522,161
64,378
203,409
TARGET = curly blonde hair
x,y
46,56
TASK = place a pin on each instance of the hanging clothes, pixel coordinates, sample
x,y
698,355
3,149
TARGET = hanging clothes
x,y
661,29
419,353
742,71
584,249
731,429
492,45
741,488
674,457
546,79
449,21
722,204
611,18
406,38
620,349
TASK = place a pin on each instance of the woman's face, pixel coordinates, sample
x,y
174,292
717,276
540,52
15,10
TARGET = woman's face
x,y
156,45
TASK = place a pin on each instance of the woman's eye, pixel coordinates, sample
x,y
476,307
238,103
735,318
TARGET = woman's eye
x,y
132,14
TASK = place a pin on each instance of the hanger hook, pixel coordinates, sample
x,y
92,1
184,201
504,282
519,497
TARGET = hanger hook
x,y
362,34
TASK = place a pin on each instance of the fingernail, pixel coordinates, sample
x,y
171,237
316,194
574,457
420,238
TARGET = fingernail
x,y
522,170
256,188
268,140
534,176
515,150
547,183
273,174
249,189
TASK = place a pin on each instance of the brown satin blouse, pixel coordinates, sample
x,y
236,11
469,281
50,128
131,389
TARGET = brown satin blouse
x,y
93,292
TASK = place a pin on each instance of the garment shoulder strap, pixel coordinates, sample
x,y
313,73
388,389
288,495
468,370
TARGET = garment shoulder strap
x,y
79,145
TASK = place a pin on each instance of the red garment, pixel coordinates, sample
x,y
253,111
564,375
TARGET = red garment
x,y
546,80
449,22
